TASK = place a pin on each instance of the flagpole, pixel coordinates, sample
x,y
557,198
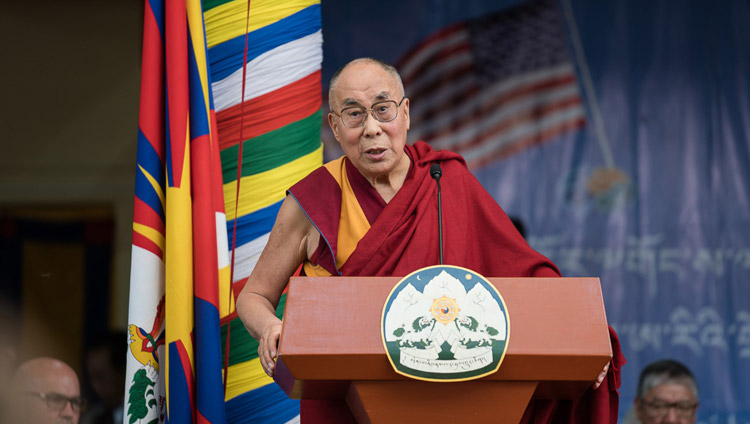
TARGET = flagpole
x,y
588,86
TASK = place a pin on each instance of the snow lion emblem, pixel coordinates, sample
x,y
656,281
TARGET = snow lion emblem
x,y
445,323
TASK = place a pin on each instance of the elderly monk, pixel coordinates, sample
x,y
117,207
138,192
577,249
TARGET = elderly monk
x,y
374,212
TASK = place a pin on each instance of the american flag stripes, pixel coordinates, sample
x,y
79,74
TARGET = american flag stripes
x,y
491,86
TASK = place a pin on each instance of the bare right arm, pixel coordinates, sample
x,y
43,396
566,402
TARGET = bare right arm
x,y
292,238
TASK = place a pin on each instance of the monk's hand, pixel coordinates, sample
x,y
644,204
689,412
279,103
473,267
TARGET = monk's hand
x,y
601,377
268,348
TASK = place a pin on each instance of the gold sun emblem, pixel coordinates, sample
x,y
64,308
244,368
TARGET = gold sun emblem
x,y
444,309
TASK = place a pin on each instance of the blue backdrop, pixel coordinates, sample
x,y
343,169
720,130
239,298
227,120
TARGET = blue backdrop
x,y
653,197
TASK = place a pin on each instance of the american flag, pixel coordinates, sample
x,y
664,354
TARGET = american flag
x,y
489,87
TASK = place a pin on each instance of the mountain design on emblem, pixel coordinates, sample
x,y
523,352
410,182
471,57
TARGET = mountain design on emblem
x,y
445,321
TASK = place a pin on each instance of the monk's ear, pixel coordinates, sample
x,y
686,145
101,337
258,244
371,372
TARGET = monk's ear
x,y
334,124
406,113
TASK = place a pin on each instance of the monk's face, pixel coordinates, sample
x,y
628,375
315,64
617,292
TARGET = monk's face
x,y
376,148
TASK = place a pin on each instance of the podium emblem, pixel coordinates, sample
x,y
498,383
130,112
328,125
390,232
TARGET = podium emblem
x,y
445,323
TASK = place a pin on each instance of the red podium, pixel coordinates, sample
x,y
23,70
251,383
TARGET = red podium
x,y
331,348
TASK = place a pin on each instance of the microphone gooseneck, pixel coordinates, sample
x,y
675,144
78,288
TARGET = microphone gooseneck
x,y
436,173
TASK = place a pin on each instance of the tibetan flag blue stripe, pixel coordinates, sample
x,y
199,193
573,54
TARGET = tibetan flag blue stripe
x,y
179,412
146,193
226,57
144,189
199,124
207,325
149,159
157,10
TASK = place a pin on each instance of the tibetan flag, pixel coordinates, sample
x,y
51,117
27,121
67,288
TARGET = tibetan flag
x,y
179,264
264,59
494,85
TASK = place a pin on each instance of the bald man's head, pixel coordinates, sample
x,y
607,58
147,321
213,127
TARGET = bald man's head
x,y
47,391
390,69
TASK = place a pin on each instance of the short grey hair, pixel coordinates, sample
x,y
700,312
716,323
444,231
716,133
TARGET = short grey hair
x,y
662,372
333,85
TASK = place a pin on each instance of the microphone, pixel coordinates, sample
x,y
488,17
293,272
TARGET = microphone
x,y
436,173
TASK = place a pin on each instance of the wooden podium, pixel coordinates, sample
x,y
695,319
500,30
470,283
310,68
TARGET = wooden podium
x,y
331,348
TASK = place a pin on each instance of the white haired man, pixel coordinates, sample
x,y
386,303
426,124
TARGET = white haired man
x,y
667,393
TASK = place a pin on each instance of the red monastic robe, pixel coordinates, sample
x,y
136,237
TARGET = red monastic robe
x,y
361,235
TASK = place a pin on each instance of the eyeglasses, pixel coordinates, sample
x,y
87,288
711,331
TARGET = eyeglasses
x,y
659,408
57,401
384,111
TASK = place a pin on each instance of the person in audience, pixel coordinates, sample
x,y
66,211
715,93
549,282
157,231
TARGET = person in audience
x,y
105,373
667,393
45,391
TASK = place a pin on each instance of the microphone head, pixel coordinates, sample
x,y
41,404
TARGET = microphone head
x,y
435,171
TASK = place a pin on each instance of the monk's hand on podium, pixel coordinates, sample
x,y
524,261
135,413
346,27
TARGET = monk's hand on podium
x,y
268,348
601,377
